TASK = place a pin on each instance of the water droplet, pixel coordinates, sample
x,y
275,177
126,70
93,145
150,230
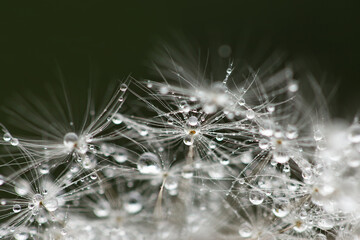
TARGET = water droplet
x,y
70,140
183,104
293,86
209,108
256,197
102,208
212,144
93,176
14,141
22,187
286,168
171,183
241,101
37,198
246,157
219,137
134,203
44,168
326,224
264,143
250,114
318,135
300,226
354,133
281,207
164,90
120,156
187,172
216,172
266,131
270,108
320,236
245,230
89,162
143,132
281,156
149,163
224,160
51,204
16,208
224,51
291,132
123,87
193,121
7,137
117,119
21,236
188,140
2,180
31,205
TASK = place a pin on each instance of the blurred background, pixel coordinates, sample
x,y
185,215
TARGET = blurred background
x,y
108,40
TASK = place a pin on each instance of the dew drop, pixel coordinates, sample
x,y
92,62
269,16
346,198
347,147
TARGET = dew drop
x,y
70,140
209,108
219,137
245,230
326,224
293,86
14,141
120,156
171,183
134,203
224,51
22,187
21,236
193,121
281,207
93,176
246,157
300,226
291,132
123,87
250,114
318,135
224,160
51,204
281,156
164,90
149,163
354,133
102,209
212,144
187,172
2,180
117,119
264,143
320,236
16,208
256,197
270,108
188,140
7,137
241,101
143,132
44,169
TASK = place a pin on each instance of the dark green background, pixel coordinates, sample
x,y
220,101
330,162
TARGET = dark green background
x,y
111,39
